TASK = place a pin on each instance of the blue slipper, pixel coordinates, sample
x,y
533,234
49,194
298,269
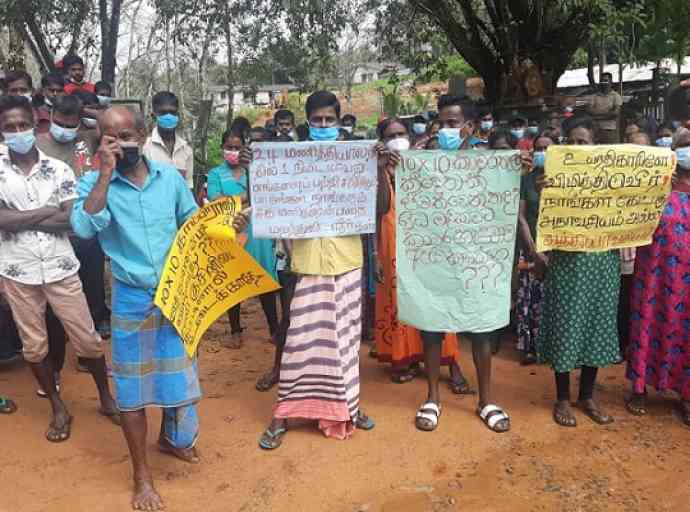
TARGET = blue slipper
x,y
272,439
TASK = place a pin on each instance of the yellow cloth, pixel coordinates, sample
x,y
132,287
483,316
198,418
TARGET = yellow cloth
x,y
327,256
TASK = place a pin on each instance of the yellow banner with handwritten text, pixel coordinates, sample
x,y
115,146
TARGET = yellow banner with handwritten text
x,y
207,272
602,197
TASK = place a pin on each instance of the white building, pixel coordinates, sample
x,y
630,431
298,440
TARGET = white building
x,y
245,96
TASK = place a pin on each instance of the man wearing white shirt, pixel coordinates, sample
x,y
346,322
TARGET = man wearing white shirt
x,y
164,144
37,262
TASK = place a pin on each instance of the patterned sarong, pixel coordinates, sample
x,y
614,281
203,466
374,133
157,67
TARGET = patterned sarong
x,y
150,365
319,372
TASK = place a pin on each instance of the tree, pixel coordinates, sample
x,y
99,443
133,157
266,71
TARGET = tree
x,y
667,33
109,17
498,37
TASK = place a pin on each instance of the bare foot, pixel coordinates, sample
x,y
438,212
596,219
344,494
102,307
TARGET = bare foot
x,y
146,497
186,454
109,410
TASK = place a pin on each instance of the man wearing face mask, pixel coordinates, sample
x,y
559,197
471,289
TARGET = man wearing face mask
x,y
455,131
605,107
135,207
52,86
486,126
104,93
348,124
88,122
518,131
64,143
37,262
165,144
284,121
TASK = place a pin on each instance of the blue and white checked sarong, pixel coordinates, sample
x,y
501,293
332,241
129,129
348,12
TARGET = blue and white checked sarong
x,y
150,365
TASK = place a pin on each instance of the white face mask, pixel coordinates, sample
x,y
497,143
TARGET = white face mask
x,y
398,144
89,122
348,129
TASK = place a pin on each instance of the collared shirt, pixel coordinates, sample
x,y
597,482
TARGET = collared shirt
x,y
602,104
138,225
327,256
182,155
76,154
34,257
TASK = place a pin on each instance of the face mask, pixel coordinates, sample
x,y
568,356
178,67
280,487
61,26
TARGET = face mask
x,y
486,125
398,144
348,129
568,109
48,103
168,121
675,124
104,100
532,130
292,134
28,96
518,133
130,158
20,142
231,157
449,138
664,142
539,158
561,139
62,134
324,134
419,128
683,156
89,122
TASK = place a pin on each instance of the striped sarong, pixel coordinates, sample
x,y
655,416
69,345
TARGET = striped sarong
x,y
150,365
319,372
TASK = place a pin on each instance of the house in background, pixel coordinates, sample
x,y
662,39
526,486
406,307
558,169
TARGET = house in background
x,y
372,71
250,96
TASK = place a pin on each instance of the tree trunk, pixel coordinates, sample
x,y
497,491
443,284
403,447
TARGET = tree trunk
x,y
602,58
39,46
231,70
15,54
110,31
590,66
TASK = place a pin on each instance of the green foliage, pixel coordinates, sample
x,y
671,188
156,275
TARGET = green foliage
x,y
253,113
446,67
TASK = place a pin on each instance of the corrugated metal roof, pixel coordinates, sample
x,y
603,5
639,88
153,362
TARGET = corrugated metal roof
x,y
578,77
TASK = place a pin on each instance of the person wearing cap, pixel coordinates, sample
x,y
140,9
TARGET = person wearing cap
x,y
605,107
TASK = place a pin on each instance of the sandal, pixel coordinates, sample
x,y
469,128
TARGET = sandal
x,y
42,394
461,386
591,409
427,417
563,414
272,439
636,404
407,375
363,422
57,434
7,406
492,416
266,381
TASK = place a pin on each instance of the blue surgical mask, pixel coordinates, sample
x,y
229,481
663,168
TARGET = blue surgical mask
x,y
104,100
449,138
20,142
683,156
168,121
419,128
62,134
532,130
664,142
518,133
324,134
675,124
486,125
538,159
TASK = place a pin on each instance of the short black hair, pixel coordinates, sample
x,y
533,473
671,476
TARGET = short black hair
x,y
87,98
14,76
8,103
67,105
419,119
259,129
448,100
53,79
349,117
242,124
232,133
283,114
102,84
607,75
547,134
164,98
499,134
71,60
383,125
578,121
322,99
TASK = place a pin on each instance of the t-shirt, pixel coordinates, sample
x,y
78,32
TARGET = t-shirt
x,y
528,193
76,154
71,87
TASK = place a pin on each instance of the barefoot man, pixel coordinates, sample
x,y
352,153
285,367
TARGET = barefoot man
x,y
136,206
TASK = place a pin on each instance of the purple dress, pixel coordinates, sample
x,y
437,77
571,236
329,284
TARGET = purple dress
x,y
660,322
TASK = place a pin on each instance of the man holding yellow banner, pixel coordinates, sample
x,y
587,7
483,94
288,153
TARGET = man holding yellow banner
x,y
135,206
595,200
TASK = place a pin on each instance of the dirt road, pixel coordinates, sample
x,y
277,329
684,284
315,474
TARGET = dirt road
x,y
635,464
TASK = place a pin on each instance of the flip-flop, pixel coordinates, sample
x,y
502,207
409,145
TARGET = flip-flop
x,y
460,386
405,376
7,406
272,439
266,382
364,422
594,413
59,435
636,405
564,418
